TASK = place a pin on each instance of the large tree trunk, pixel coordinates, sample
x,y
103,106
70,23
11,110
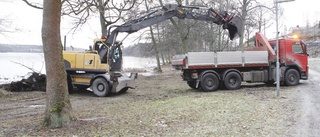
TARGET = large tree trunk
x,y
155,47
244,12
103,25
58,110
154,44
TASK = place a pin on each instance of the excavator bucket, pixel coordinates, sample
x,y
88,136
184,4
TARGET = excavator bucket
x,y
234,26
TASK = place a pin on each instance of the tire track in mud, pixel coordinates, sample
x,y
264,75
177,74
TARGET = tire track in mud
x,y
22,108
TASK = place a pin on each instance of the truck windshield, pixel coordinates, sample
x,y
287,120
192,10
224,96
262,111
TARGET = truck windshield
x,y
297,48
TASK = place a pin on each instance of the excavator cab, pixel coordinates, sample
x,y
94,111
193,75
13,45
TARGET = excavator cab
x,y
102,49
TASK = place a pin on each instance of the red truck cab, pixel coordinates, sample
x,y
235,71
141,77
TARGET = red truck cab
x,y
292,54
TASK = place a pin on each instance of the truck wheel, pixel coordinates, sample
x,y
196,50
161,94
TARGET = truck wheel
x,y
292,77
232,81
192,84
209,82
100,87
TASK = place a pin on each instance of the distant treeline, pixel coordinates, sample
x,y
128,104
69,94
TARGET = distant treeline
x,y
27,48
20,48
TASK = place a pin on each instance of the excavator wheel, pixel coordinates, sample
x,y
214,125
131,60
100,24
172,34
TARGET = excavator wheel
x,y
100,87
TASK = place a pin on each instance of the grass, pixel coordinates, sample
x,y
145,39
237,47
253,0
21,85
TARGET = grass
x,y
223,113
160,106
212,114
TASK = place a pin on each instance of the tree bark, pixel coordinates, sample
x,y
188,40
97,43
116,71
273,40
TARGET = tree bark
x,y
244,13
101,17
58,110
155,47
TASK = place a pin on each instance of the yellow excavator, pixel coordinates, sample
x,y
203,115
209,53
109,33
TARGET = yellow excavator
x,y
99,68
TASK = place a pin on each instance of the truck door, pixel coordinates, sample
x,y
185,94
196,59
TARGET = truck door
x,y
300,56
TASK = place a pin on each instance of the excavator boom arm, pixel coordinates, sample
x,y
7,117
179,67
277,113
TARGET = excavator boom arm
x,y
231,22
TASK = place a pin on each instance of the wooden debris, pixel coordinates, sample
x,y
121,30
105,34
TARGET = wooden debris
x,y
35,82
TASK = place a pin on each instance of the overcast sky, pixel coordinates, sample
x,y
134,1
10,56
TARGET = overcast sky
x,y
29,20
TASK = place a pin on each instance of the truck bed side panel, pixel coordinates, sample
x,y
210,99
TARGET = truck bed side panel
x,y
219,59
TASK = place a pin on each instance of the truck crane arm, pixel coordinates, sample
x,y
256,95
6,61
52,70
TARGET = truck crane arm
x,y
229,21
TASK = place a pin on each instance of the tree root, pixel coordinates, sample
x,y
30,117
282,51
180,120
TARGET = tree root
x,y
35,82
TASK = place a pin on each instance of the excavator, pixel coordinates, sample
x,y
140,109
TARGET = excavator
x,y
99,68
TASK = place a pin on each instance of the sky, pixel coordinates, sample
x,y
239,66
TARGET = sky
x,y
299,12
29,21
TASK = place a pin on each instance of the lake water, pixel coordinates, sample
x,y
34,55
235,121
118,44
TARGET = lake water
x,y
14,66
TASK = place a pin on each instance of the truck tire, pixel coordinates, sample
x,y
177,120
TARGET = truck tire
x,y
100,87
232,81
209,82
292,77
192,84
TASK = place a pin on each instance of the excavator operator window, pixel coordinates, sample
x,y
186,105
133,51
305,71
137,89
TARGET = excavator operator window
x,y
97,46
102,50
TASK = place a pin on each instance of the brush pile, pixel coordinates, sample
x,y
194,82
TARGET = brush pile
x,y
35,82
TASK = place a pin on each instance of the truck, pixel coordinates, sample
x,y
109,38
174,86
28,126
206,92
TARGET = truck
x,y
100,67
210,71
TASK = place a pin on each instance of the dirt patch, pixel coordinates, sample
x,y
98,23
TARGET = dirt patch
x,y
161,105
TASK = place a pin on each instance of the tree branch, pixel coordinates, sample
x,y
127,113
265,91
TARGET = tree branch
x,y
32,4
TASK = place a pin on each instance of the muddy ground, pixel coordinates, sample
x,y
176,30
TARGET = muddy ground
x,y
163,105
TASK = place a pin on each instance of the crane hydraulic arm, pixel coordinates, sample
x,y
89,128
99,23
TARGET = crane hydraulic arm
x,y
229,21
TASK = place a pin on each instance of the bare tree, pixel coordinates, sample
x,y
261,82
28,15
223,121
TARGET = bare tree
x,y
154,43
4,26
181,27
248,7
109,11
58,110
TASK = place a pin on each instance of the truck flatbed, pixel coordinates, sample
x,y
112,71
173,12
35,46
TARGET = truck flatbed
x,y
197,60
210,70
